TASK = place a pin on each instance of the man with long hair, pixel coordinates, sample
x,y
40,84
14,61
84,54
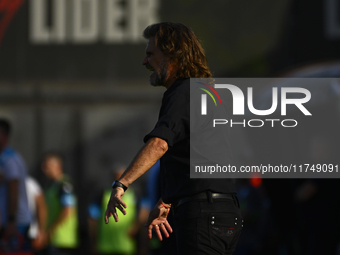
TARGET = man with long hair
x,y
206,211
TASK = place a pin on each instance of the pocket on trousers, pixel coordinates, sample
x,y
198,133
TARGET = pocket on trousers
x,y
224,230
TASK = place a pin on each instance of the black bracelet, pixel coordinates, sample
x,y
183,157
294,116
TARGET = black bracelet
x,y
116,184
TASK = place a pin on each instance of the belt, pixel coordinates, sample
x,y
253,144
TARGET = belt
x,y
203,196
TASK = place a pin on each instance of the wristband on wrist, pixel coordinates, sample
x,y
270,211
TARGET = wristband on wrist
x,y
167,207
116,184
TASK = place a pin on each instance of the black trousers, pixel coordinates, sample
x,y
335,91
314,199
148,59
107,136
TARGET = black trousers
x,y
204,227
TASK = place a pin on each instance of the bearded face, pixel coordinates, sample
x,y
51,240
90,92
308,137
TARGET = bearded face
x,y
155,61
160,73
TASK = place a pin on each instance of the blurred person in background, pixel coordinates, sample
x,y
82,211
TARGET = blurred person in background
x,y
113,238
206,211
62,223
15,216
37,205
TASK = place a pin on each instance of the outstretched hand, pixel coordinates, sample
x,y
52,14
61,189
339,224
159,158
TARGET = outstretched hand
x,y
158,221
115,201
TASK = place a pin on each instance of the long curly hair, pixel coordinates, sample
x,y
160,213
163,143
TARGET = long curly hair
x,y
180,44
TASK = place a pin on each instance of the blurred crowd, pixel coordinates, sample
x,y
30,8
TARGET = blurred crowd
x,y
35,219
43,218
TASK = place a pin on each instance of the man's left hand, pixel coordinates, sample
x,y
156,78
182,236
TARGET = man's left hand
x,y
158,221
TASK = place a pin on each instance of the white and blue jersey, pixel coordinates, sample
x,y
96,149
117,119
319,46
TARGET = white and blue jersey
x,y
12,167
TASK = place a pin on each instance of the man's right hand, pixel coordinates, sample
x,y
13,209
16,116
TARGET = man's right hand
x,y
158,220
115,201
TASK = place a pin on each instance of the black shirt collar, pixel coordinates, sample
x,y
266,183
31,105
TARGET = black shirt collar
x,y
174,86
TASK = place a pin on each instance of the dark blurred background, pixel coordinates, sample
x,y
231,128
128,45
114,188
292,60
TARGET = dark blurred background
x,y
71,79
